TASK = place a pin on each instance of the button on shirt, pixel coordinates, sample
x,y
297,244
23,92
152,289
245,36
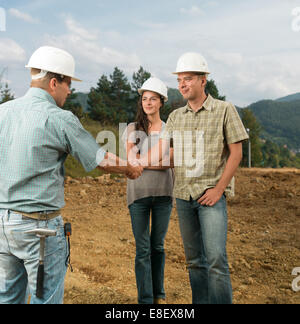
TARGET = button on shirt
x,y
36,137
201,142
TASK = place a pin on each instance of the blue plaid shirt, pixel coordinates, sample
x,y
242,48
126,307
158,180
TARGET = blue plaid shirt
x,y
36,137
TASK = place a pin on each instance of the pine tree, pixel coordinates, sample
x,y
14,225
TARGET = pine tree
x,y
5,94
139,79
251,123
110,100
212,89
98,110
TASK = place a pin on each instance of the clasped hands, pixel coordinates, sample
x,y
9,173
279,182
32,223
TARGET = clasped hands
x,y
134,169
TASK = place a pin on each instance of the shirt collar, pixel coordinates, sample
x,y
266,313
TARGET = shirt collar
x,y
40,93
208,105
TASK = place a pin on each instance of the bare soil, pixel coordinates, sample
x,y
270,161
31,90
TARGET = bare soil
x,y
263,241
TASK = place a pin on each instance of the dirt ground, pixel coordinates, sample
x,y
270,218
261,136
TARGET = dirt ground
x,y
263,241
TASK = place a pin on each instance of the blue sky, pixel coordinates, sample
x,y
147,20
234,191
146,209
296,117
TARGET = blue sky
x,y
251,47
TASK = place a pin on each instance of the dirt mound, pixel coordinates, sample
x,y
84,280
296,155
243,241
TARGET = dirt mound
x,y
263,242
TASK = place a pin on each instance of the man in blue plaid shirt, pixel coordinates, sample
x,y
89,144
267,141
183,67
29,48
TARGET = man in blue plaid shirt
x,y
36,136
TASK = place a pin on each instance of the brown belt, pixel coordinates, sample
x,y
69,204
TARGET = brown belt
x,y
40,216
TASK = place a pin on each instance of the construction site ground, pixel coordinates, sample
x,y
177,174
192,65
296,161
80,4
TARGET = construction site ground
x,y
263,241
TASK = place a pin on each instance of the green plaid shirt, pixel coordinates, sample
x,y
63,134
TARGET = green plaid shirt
x,y
36,137
201,142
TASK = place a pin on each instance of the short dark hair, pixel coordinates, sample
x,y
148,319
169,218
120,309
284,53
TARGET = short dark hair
x,y
50,75
59,77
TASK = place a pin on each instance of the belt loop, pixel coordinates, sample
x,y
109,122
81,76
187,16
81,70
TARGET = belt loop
x,y
6,215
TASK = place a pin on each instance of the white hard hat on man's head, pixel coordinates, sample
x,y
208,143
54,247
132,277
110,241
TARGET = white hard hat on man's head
x,y
155,85
192,62
52,59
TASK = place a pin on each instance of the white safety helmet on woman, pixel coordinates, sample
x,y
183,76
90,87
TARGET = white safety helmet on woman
x,y
52,59
155,85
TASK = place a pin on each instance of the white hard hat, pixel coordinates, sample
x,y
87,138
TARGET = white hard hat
x,y
55,60
155,85
192,62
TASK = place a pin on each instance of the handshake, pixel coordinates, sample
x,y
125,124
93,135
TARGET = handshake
x,y
134,170
113,164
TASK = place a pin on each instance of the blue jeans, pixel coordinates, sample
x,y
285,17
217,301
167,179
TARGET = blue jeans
x,y
204,234
19,260
150,253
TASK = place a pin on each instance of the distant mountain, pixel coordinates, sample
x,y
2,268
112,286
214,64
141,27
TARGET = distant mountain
x,y
280,120
293,97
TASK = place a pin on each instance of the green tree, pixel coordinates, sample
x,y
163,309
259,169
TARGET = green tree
x,y
5,94
72,105
120,96
253,125
110,100
139,79
271,155
212,89
98,110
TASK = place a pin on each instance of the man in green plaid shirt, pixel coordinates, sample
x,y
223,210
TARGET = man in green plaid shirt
x,y
207,137
212,157
36,136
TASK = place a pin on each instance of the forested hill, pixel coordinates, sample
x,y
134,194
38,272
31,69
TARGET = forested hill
x,y
289,98
280,121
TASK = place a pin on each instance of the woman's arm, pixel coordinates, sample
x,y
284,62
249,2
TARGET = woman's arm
x,y
166,161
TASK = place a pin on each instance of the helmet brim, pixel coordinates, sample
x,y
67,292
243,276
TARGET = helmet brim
x,y
176,73
75,79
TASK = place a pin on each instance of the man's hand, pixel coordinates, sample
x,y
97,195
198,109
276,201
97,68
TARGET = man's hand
x,y
211,197
133,172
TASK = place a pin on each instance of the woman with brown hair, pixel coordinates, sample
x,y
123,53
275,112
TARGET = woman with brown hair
x,y
151,194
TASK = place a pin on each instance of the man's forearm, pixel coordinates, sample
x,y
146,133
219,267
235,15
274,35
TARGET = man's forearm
x,y
232,165
113,163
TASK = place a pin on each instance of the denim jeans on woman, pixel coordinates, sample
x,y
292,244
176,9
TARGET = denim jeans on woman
x,y
19,260
204,233
150,253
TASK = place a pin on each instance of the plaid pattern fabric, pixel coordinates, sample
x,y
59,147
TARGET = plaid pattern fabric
x,y
36,137
200,141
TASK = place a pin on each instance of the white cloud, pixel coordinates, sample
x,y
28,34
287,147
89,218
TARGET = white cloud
x,y
151,25
23,16
11,52
193,11
255,77
92,57
230,59
76,29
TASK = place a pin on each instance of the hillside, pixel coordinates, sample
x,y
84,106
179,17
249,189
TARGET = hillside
x,y
292,97
280,121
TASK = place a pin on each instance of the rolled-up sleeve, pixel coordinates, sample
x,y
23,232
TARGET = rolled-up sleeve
x,y
81,144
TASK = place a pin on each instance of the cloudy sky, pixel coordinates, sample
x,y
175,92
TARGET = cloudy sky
x,y
252,46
